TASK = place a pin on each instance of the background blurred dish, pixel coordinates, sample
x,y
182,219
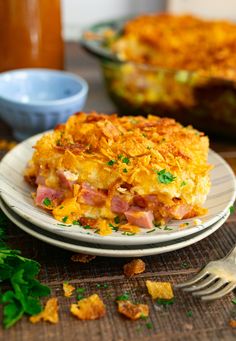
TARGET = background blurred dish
x,y
35,100
206,102
16,193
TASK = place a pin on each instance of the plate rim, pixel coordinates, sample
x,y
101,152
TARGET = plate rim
x,y
112,252
71,231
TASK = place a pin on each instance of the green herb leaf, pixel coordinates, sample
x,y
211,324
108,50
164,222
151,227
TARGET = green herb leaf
x,y
47,202
165,177
120,156
149,325
111,162
183,183
189,313
125,160
125,170
150,231
114,228
64,219
80,290
128,233
164,302
231,209
234,300
80,297
117,220
87,227
124,297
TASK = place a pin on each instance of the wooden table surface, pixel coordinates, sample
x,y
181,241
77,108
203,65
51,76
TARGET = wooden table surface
x,y
209,321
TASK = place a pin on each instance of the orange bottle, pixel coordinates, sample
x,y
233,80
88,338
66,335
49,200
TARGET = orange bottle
x,y
30,34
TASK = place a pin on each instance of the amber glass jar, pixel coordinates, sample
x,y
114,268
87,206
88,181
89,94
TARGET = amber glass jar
x,y
30,34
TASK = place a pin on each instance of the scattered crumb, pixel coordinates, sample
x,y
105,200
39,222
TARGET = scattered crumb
x,y
232,323
133,311
82,258
90,308
68,289
50,312
161,290
136,266
7,145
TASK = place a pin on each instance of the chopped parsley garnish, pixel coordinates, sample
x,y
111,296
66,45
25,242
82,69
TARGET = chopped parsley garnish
x,y
125,160
125,170
64,219
185,265
61,207
80,297
47,202
87,227
114,228
158,225
21,291
75,222
149,325
80,290
144,135
189,313
124,297
128,233
183,183
103,286
111,162
234,300
151,231
166,228
165,177
117,220
120,156
148,147
143,317
163,302
231,209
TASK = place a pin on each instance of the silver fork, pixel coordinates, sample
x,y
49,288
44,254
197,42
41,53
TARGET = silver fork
x,y
215,280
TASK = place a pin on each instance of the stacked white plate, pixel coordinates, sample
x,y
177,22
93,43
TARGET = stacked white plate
x,y
18,205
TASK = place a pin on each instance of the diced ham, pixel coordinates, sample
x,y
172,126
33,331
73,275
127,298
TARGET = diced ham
x,y
67,178
40,180
180,211
140,218
92,196
119,205
44,192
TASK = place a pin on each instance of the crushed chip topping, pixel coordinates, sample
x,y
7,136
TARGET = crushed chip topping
x,y
50,312
90,308
232,323
161,290
136,266
68,289
133,311
82,258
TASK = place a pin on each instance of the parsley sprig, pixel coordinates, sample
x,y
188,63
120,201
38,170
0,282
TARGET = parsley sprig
x,y
165,177
19,274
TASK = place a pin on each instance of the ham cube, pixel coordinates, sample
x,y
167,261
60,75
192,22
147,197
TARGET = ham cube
x,y
92,196
44,192
118,205
140,218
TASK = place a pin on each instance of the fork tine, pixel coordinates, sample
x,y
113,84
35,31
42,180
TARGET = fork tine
x,y
211,289
202,284
222,292
194,280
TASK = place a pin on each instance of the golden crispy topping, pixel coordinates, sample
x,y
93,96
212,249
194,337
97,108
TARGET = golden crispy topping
x,y
68,289
161,290
50,312
133,311
136,266
172,42
90,308
232,323
82,258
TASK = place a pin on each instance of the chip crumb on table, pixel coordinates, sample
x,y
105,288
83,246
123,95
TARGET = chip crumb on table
x,y
162,290
136,266
133,311
90,308
49,314
68,289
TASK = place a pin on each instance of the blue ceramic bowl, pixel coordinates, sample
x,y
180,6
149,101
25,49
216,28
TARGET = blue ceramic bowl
x,y
35,100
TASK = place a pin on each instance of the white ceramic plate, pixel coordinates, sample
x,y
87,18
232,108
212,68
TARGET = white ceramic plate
x,y
108,250
17,194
